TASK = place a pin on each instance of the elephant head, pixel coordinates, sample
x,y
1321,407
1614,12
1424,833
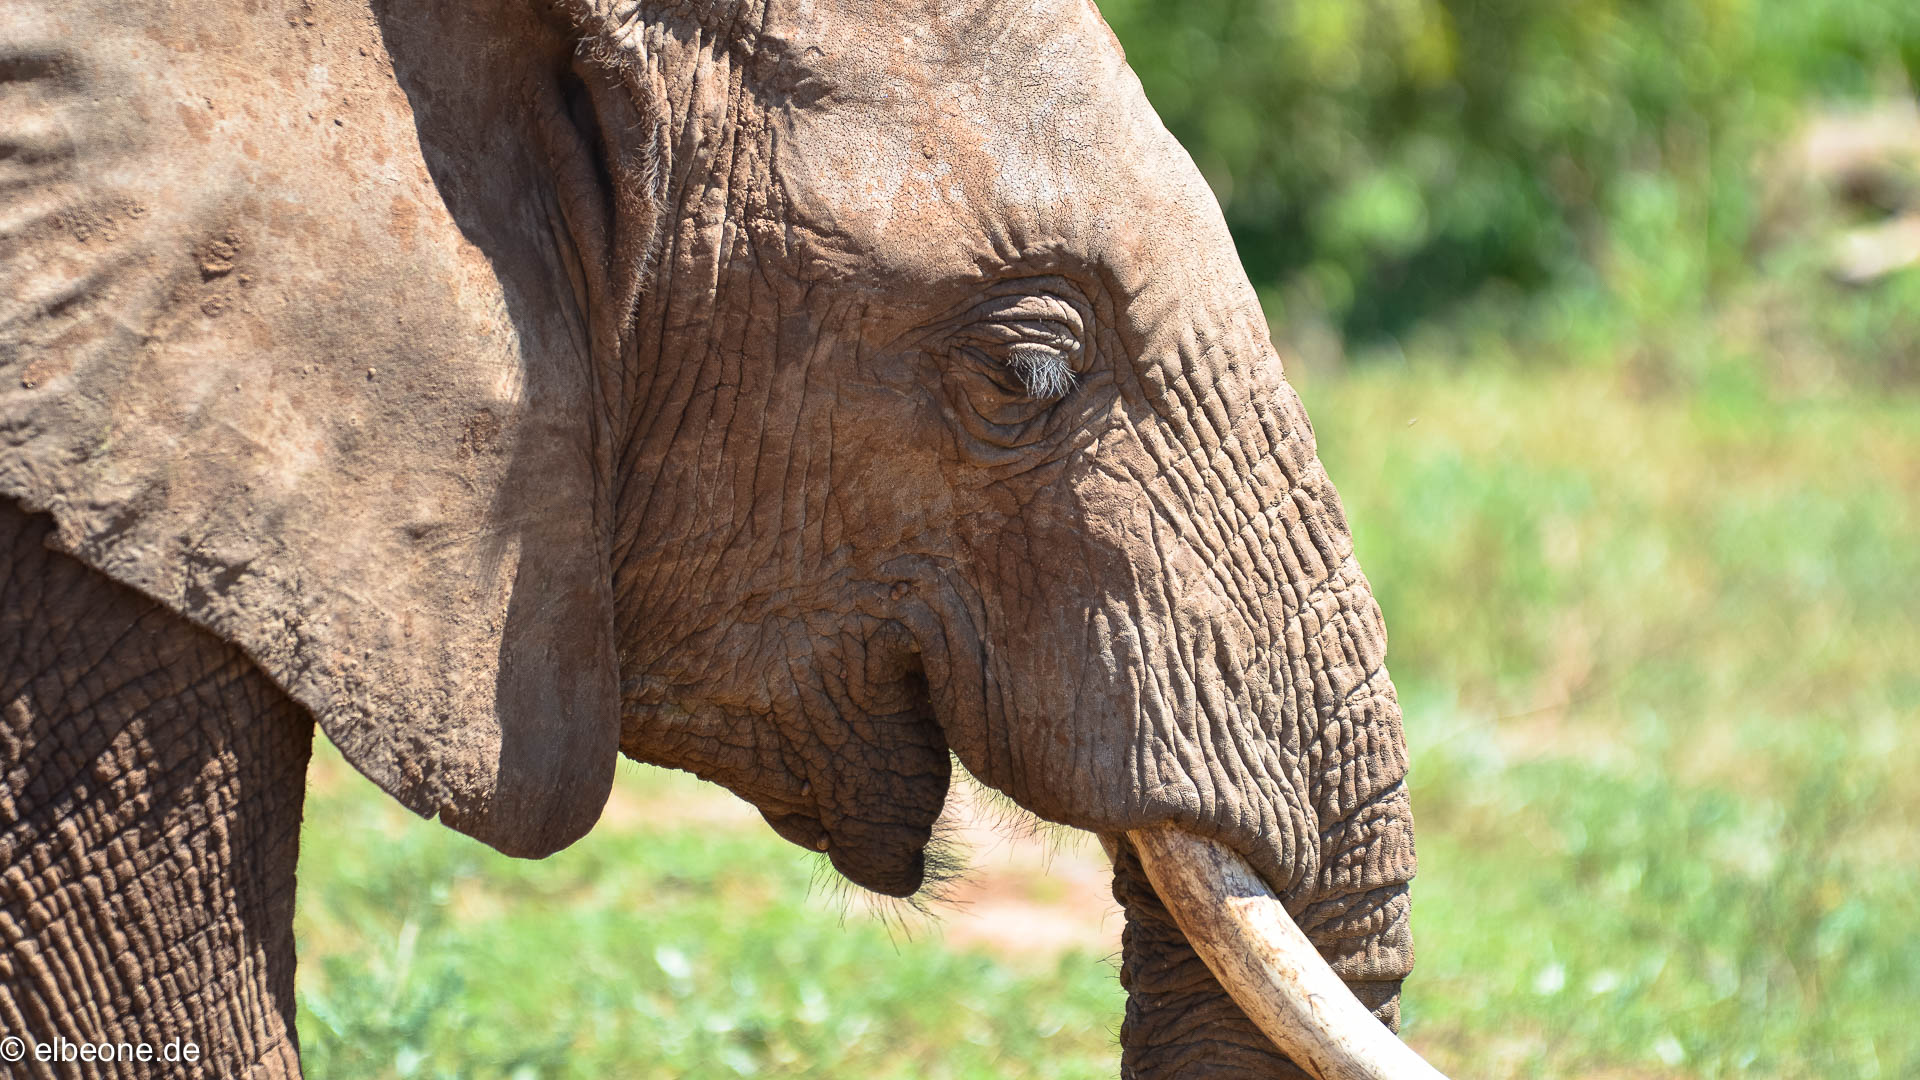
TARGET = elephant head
x,y
797,392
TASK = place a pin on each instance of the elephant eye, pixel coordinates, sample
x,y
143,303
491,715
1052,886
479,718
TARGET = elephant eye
x,y
1014,359
1036,340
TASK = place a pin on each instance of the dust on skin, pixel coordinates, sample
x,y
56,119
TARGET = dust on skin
x,y
975,180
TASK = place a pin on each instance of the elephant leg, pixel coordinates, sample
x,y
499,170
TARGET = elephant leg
x,y
151,782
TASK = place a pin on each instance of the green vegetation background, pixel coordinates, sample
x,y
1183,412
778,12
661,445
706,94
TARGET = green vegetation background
x,y
1637,482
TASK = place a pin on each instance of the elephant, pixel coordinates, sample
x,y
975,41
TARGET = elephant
x,y
806,394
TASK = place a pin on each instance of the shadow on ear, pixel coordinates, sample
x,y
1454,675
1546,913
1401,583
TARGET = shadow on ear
x,y
293,339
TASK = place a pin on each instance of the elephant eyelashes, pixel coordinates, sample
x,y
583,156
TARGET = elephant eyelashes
x,y
1045,371
1036,340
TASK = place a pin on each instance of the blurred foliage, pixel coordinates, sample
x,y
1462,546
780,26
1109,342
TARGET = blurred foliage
x,y
1385,163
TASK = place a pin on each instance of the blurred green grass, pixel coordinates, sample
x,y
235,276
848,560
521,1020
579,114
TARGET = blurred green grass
x,y
1657,655
684,950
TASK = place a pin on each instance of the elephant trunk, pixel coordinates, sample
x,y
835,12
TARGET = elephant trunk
x,y
1245,937
1179,1021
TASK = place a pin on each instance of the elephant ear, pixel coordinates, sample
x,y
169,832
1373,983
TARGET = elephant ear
x,y
289,342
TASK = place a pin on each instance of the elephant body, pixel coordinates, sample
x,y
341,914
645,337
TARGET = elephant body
x,y
799,393
151,778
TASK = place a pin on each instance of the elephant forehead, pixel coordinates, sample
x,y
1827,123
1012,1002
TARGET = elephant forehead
x,y
933,143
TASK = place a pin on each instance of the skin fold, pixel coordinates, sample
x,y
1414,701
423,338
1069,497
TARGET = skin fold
x,y
802,394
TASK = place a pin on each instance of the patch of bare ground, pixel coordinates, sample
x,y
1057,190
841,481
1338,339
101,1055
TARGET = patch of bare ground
x,y
675,801
1030,893
1027,894
327,770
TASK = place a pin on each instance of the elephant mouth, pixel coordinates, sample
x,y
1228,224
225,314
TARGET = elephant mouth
x,y
1234,923
876,825
1237,926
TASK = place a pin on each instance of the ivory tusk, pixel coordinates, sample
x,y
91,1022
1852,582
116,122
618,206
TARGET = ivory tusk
x,y
1269,967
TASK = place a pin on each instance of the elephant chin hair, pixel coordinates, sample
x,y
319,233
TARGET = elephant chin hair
x,y
947,858
944,864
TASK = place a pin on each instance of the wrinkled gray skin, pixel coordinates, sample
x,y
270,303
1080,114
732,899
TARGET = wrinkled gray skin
x,y
790,392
